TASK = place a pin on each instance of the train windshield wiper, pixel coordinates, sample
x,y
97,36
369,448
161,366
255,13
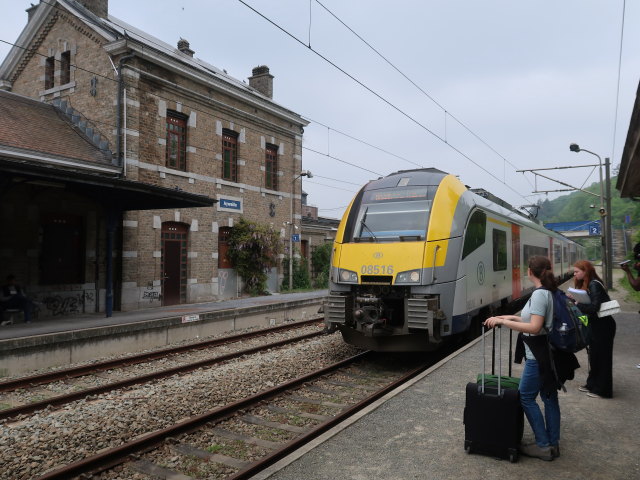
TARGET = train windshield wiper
x,y
364,225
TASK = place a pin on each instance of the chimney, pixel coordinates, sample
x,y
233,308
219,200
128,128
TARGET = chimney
x,y
97,7
31,11
262,80
183,46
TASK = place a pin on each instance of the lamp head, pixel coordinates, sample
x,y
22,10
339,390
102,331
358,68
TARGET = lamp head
x,y
306,173
574,147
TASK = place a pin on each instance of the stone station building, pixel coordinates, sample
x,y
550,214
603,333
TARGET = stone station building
x,y
167,120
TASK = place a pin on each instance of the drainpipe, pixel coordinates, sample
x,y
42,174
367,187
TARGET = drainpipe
x,y
111,228
111,221
119,109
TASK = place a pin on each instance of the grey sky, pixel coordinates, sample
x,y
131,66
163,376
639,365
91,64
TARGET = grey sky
x,y
527,77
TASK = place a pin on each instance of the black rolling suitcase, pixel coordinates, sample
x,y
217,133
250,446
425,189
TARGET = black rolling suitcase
x,y
493,417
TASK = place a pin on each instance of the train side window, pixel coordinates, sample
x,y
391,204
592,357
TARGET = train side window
x,y
499,250
530,251
557,254
475,233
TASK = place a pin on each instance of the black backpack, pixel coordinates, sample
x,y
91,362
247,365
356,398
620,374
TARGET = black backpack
x,y
569,330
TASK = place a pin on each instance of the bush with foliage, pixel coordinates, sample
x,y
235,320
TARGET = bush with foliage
x,y
300,270
254,249
321,262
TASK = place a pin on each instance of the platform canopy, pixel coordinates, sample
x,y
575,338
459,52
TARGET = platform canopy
x,y
39,145
629,175
585,228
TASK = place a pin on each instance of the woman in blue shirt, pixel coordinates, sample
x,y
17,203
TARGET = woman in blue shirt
x,y
535,316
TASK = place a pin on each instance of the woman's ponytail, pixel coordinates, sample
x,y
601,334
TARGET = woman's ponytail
x,y
541,268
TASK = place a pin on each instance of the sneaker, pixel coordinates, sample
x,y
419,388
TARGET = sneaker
x,y
638,365
533,450
555,450
593,395
583,388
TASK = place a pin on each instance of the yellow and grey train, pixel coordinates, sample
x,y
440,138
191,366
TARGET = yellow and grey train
x,y
419,257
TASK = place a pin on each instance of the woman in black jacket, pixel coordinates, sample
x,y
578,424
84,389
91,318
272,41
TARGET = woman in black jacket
x,y
603,330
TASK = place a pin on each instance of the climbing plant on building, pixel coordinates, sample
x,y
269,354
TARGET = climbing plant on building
x,y
254,249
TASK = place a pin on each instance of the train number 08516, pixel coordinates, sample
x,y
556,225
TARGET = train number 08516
x,y
376,269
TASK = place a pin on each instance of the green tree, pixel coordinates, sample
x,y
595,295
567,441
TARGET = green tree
x,y
321,262
301,279
577,206
253,248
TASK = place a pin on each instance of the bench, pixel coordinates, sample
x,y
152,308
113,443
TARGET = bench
x,y
9,316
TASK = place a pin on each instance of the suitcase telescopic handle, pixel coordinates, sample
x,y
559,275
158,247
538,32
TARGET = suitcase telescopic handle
x,y
499,359
493,356
485,329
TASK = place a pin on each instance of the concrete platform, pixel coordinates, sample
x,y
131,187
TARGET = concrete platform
x,y
64,340
417,431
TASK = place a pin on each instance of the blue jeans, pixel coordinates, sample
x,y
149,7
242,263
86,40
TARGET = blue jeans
x,y
530,383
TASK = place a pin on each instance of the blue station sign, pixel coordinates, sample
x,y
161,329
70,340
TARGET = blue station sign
x,y
230,204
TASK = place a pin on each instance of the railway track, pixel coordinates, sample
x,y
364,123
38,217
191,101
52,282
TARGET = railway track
x,y
33,383
241,438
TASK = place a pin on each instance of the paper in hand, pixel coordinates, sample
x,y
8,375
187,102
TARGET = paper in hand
x,y
581,296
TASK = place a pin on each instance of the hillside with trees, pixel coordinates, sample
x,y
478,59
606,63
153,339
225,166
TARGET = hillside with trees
x,y
576,206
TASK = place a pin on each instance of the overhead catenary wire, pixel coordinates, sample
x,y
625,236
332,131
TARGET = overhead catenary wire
x,y
336,180
332,209
362,141
380,97
330,186
435,102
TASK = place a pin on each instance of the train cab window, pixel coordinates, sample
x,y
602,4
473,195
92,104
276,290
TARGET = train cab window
x,y
394,214
475,233
499,250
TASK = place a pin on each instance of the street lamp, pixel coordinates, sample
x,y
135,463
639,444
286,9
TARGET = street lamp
x,y
308,174
606,222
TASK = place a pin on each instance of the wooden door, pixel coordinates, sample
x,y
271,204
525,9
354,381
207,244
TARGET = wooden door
x,y
174,263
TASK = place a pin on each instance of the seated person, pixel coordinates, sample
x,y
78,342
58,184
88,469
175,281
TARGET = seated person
x,y
13,297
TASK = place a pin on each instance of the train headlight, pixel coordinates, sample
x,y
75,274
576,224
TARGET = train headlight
x,y
347,276
410,276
